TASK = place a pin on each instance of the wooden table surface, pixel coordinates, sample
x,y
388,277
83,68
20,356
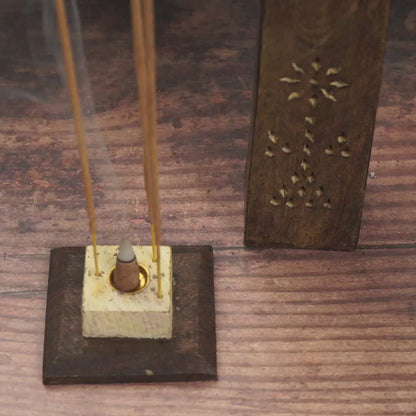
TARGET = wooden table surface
x,y
299,332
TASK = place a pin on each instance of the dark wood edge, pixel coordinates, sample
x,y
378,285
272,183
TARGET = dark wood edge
x,y
256,245
370,142
253,112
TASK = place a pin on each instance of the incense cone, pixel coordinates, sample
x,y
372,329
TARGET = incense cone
x,y
126,273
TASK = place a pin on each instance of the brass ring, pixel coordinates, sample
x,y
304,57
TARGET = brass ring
x,y
144,279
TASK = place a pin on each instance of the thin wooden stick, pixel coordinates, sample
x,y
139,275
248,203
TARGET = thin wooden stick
x,y
144,53
79,128
142,85
151,71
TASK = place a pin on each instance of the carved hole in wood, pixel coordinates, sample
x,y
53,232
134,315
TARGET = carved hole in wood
x,y
283,191
329,151
290,204
313,100
295,178
307,150
272,137
269,152
304,165
310,120
341,139
346,153
311,83
319,192
316,64
327,204
274,201
302,192
311,178
309,135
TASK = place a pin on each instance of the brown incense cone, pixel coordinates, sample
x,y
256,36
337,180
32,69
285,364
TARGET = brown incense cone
x,y
126,273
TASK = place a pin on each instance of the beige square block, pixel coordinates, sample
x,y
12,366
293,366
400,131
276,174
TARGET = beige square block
x,y
106,312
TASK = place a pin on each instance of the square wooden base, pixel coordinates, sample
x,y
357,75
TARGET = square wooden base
x,y
69,358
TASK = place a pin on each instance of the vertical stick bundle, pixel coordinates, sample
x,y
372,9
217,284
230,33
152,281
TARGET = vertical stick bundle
x,y
144,55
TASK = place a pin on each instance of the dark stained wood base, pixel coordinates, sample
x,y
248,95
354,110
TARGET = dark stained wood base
x,y
69,358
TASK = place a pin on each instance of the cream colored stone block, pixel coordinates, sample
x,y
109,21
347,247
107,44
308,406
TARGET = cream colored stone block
x,y
106,312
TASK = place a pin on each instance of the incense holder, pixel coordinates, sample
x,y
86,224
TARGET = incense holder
x,y
71,358
315,102
107,312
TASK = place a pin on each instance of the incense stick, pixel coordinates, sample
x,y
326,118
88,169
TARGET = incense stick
x,y
151,70
79,128
144,53
142,83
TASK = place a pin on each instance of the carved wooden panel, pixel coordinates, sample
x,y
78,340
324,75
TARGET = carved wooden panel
x,y
319,73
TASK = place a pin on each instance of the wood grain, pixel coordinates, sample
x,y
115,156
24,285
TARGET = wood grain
x,y
316,98
305,333
299,333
